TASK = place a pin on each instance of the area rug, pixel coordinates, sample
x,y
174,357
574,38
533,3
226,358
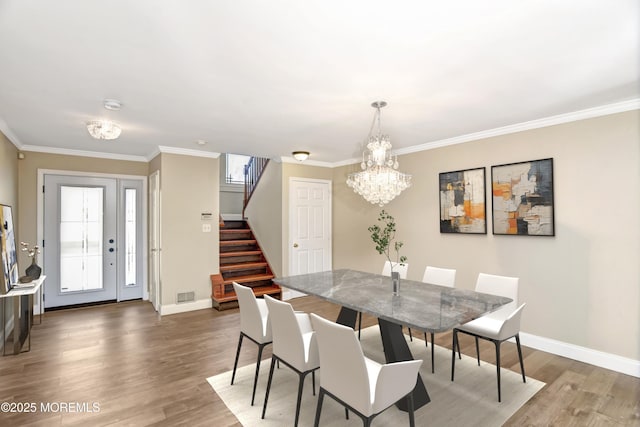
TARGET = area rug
x,y
472,400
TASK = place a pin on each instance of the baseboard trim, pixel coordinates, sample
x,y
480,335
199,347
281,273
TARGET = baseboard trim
x,y
202,304
610,361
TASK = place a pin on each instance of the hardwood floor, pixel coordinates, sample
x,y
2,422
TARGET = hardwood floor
x,y
141,369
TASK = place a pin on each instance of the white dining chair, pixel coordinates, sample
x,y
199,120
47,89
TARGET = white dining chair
x,y
497,326
254,324
361,385
442,277
294,344
386,271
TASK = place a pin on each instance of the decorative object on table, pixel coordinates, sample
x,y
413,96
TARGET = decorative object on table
x,y
523,198
383,239
462,202
34,270
379,181
8,250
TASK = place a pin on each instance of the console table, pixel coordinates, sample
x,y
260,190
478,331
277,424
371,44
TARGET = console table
x,y
22,296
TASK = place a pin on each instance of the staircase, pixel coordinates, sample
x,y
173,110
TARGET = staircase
x,y
241,261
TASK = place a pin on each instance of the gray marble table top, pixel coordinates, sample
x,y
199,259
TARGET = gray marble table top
x,y
419,305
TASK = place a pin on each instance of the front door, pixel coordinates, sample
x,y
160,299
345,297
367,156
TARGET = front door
x,y
92,239
310,227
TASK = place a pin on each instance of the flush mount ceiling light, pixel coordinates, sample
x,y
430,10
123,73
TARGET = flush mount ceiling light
x,y
103,129
112,104
379,182
300,156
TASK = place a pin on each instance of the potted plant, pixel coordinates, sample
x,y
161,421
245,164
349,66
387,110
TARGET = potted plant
x,y
384,239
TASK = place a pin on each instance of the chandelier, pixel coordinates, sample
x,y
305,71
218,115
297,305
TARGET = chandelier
x,y
379,182
103,129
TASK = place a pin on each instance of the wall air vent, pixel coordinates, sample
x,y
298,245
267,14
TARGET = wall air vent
x,y
183,297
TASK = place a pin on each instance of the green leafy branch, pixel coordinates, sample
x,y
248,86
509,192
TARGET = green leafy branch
x,y
385,236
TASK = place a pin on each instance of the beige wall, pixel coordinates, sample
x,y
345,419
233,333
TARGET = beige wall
x,y
582,286
265,221
189,186
271,226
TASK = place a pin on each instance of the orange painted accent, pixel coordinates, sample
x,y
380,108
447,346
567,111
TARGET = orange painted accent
x,y
477,211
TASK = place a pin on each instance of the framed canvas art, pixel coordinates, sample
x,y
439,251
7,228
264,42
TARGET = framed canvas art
x,y
462,202
8,249
522,195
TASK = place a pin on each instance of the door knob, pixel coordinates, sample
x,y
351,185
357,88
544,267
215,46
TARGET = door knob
x,y
295,245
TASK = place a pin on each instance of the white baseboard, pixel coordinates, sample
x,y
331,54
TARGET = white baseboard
x,y
202,304
582,354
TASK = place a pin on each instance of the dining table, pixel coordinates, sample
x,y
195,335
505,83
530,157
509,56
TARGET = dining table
x,y
418,305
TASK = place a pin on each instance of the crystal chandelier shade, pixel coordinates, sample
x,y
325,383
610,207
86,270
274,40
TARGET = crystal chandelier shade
x,y
379,182
103,129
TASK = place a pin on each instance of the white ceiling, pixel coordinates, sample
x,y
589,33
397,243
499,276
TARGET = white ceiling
x,y
269,77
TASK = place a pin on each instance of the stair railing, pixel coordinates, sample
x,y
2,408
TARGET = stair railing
x,y
252,173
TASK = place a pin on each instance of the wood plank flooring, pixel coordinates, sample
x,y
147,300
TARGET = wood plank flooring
x,y
140,369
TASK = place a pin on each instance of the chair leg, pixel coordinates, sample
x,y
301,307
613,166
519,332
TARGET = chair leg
x,y
410,334
255,379
359,324
524,378
478,351
313,381
497,343
433,368
316,422
426,342
235,364
412,421
299,400
453,352
266,396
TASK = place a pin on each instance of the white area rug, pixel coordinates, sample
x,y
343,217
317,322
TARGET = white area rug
x,y
472,400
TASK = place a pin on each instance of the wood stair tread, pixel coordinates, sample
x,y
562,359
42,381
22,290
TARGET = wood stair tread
x,y
243,266
239,253
237,242
249,278
234,230
257,290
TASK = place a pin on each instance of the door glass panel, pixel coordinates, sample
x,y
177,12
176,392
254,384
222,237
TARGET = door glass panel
x,y
130,195
81,238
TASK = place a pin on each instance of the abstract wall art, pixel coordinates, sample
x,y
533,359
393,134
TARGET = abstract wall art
x,y
8,250
522,195
462,202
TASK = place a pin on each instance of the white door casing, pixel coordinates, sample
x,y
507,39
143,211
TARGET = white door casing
x,y
154,239
112,188
309,227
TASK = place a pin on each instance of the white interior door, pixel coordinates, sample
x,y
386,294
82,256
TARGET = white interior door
x,y
154,239
309,227
79,240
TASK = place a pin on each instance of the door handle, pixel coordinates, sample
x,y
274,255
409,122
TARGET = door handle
x,y
295,245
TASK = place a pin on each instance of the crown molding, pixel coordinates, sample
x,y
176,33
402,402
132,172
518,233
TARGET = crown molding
x,y
603,110
8,133
186,152
82,153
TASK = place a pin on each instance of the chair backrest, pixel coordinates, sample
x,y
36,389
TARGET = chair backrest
x,y
499,285
343,367
511,325
288,343
400,268
440,276
254,317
